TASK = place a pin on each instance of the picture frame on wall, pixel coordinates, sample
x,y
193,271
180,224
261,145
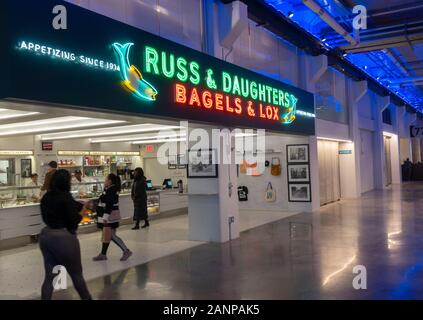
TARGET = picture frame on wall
x,y
200,164
297,153
172,163
298,173
182,163
299,192
26,168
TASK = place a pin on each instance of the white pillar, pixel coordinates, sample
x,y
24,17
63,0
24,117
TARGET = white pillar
x,y
356,91
397,123
313,68
379,106
212,208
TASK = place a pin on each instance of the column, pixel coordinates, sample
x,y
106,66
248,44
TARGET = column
x,y
355,92
213,202
380,104
311,69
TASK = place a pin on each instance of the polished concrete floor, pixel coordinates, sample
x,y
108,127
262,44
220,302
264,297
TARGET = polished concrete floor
x,y
21,270
306,256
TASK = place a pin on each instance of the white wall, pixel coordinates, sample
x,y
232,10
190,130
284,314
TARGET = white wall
x,y
157,172
366,161
365,107
176,20
405,145
257,185
348,171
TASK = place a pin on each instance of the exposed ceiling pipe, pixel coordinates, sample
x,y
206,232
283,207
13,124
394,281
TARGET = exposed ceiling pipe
x,y
396,61
384,43
383,12
384,32
404,80
408,84
325,16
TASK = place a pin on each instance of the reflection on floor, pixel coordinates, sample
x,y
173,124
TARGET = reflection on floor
x,y
21,270
306,256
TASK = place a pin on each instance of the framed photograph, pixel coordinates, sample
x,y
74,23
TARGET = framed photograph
x,y
299,192
297,153
182,163
200,164
26,168
298,173
172,162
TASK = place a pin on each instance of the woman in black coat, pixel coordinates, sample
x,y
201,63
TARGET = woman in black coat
x,y
108,218
139,197
58,241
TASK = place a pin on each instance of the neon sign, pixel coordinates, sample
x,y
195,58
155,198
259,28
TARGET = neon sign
x,y
65,55
89,66
132,77
236,95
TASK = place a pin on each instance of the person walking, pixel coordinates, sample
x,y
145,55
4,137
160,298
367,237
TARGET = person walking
x,y
108,218
58,241
408,169
139,197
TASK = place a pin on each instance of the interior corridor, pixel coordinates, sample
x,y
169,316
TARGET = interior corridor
x,y
22,271
300,257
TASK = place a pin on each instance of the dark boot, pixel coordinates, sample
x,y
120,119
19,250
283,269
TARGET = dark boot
x,y
146,224
137,225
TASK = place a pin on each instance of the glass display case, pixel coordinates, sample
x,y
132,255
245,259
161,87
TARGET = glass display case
x,y
19,196
12,197
7,170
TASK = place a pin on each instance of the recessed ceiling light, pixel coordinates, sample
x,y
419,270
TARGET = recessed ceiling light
x,y
158,141
138,137
111,131
290,14
52,124
11,114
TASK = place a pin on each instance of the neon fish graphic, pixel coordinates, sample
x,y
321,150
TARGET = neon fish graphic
x,y
289,116
132,77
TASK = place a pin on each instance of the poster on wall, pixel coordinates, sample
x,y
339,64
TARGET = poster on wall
x,y
172,162
297,153
26,168
298,173
182,163
299,192
201,164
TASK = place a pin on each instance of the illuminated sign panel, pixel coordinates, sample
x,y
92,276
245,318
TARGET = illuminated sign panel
x,y
105,64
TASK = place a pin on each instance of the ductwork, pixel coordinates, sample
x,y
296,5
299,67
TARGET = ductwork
x,y
404,80
315,7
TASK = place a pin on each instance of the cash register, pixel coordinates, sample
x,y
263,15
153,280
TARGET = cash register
x,y
167,184
150,185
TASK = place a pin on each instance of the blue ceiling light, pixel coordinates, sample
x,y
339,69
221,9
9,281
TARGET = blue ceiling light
x,y
380,66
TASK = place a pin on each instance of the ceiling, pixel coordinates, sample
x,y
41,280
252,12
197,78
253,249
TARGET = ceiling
x,y
389,52
59,123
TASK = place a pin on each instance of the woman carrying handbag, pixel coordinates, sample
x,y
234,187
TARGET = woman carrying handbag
x,y
108,218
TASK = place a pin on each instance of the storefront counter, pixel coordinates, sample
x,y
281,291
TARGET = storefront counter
x,y
25,219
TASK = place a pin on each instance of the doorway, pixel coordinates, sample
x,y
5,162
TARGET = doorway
x,y
387,163
330,190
